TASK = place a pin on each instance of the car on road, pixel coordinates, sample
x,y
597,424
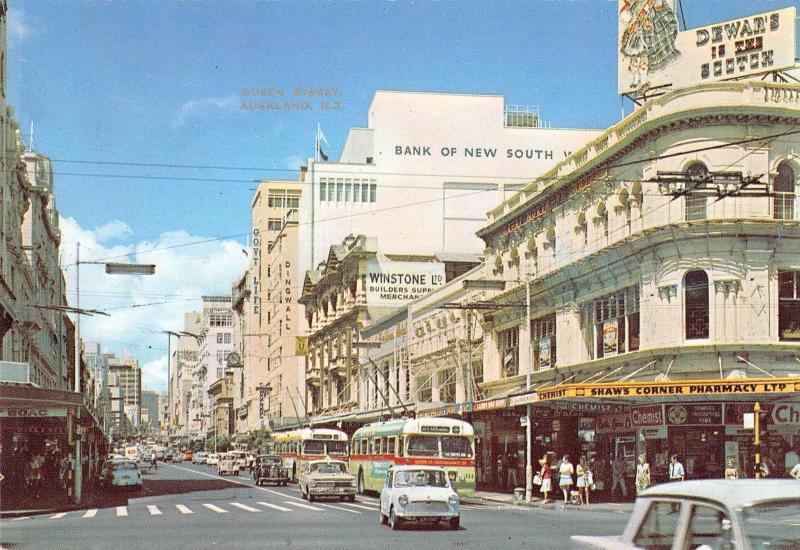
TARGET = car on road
x,y
269,469
188,455
418,493
227,464
173,456
159,455
741,514
123,473
326,478
213,459
241,459
199,458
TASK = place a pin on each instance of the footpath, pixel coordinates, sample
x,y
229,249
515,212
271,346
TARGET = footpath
x,y
485,497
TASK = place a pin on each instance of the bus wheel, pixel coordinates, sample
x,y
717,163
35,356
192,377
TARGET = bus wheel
x,y
361,482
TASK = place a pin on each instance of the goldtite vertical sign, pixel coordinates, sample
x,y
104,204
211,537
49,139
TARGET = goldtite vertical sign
x,y
653,54
395,284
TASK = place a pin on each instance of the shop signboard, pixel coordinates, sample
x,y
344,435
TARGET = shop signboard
x,y
610,337
735,413
391,283
32,412
653,432
525,399
611,423
490,404
544,353
694,414
650,415
786,414
583,407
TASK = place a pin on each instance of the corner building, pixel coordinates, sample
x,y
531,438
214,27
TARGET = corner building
x,y
663,261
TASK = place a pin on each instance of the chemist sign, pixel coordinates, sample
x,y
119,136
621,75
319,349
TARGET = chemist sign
x,y
393,283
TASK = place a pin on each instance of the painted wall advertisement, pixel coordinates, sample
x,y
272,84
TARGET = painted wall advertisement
x,y
652,52
391,283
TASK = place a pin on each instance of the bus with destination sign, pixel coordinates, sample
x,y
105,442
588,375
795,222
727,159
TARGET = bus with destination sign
x,y
297,447
444,442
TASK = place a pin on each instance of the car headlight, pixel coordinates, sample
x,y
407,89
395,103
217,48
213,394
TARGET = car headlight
x,y
402,500
453,499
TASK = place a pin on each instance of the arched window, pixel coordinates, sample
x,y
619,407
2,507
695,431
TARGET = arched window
x,y
784,189
695,205
695,291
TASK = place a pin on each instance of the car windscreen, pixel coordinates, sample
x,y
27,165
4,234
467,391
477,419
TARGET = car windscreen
x,y
423,445
329,468
124,466
772,525
456,447
270,460
314,447
337,447
420,478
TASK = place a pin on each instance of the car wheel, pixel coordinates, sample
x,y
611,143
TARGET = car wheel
x,y
351,498
394,521
303,493
384,519
310,497
455,523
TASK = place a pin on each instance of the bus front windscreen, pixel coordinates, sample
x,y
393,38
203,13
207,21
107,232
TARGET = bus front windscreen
x,y
456,447
423,445
337,447
314,448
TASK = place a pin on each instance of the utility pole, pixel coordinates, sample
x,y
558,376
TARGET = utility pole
x,y
469,381
528,466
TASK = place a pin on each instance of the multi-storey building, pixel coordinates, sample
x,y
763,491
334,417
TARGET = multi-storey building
x,y
186,383
129,381
97,363
150,418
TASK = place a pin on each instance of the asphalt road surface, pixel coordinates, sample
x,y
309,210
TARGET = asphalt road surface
x,y
189,507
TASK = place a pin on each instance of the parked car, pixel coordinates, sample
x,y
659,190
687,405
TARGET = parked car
x,y
213,459
743,514
227,464
123,473
326,478
188,455
241,459
159,455
199,458
269,469
418,493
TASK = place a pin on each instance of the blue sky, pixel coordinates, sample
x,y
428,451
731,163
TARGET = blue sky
x,y
161,82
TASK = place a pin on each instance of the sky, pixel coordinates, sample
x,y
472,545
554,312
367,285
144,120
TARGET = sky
x,y
140,106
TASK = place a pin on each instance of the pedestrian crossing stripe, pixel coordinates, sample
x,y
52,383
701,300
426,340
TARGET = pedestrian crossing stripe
x,y
59,515
274,506
90,513
339,508
154,511
122,511
217,509
245,507
301,505
359,506
183,509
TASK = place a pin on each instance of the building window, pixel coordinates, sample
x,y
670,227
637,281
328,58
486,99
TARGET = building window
x,y
695,205
508,345
789,305
447,385
543,337
219,338
274,224
365,192
424,390
323,187
339,190
348,188
611,323
695,285
784,189
219,356
227,337
219,372
373,191
356,191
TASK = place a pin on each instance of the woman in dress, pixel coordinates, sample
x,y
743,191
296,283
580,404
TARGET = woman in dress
x,y
545,474
731,472
584,479
565,472
642,474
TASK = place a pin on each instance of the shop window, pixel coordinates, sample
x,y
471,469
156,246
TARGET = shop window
x,y
789,305
784,190
611,323
543,336
447,385
508,345
658,529
695,284
695,205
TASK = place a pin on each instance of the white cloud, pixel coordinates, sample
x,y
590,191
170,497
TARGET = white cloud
x,y
294,162
19,28
183,274
113,230
199,107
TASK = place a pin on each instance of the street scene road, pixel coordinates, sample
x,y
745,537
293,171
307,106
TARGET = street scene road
x,y
188,506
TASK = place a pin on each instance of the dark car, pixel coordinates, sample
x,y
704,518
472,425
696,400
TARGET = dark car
x,y
269,469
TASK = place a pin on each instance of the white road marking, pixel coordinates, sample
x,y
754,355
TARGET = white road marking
x,y
59,515
154,511
301,505
274,506
90,513
183,509
339,508
20,519
217,509
374,505
245,507
358,506
122,511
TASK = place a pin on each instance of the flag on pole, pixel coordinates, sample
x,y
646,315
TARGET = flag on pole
x,y
320,138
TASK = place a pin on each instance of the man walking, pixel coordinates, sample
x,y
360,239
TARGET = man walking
x,y
676,472
618,476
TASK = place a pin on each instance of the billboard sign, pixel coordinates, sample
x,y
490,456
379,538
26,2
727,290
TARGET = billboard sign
x,y
652,53
395,284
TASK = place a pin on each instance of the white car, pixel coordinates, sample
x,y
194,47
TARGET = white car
x,y
200,458
213,459
124,473
418,493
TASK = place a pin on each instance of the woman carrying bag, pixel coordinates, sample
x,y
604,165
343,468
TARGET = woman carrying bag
x,y
584,479
565,472
544,474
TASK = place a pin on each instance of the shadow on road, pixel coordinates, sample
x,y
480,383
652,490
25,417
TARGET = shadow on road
x,y
158,487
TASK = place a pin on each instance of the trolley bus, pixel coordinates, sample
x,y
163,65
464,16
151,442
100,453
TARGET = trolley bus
x,y
298,446
430,441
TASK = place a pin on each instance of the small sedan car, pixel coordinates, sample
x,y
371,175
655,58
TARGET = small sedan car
x,y
269,469
213,459
188,455
123,473
326,478
418,493
227,464
199,458
718,514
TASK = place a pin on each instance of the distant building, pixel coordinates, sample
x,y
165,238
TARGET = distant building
x,y
149,410
129,381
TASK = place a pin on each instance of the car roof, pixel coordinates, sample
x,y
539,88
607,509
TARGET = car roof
x,y
419,467
735,493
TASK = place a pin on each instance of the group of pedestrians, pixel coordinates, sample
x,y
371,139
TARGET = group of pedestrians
x,y
563,472
38,473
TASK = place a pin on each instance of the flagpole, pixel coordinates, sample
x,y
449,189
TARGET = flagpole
x,y
316,148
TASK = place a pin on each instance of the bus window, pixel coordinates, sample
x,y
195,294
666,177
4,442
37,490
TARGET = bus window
x,y
423,445
379,445
364,447
337,448
400,447
390,445
312,447
456,447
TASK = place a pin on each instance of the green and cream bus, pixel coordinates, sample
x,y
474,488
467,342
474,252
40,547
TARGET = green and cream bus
x,y
299,446
444,442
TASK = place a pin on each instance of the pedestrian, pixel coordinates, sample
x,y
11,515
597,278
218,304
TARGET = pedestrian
x,y
676,471
731,472
546,478
642,474
153,461
511,473
35,475
795,472
500,470
565,472
584,481
618,476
